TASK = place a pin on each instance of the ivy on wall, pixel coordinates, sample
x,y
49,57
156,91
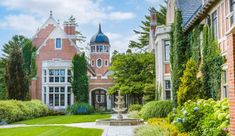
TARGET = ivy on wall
x,y
211,67
195,45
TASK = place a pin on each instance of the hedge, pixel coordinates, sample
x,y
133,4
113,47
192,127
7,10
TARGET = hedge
x,y
159,109
13,110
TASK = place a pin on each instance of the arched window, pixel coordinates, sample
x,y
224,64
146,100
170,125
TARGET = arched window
x,y
99,63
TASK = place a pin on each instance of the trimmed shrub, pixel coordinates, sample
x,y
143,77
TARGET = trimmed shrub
x,y
13,110
134,107
159,109
80,108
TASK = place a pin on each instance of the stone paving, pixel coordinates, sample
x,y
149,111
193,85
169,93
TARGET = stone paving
x,y
108,130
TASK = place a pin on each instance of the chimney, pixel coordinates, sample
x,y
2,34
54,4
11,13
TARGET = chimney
x,y
153,25
69,28
153,21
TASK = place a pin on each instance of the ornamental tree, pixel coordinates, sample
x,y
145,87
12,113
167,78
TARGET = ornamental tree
x,y
79,80
190,87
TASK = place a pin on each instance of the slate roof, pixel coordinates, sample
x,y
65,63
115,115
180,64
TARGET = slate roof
x,y
188,9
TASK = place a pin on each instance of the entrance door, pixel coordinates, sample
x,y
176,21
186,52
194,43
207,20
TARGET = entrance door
x,y
99,99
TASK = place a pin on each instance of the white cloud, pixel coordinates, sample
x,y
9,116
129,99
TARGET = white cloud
x,y
121,15
23,24
32,13
86,11
119,42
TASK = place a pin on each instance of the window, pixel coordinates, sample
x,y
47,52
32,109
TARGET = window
x,y
168,89
92,48
232,9
69,74
99,48
44,93
167,50
225,83
56,75
92,63
99,63
57,96
69,96
106,63
44,76
58,44
215,24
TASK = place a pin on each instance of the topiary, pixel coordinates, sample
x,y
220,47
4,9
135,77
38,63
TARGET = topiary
x,y
80,108
134,107
158,109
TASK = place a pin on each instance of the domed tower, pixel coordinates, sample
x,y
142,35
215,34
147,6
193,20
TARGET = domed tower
x,y
99,52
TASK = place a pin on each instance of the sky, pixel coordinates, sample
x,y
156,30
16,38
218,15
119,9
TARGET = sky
x,y
118,18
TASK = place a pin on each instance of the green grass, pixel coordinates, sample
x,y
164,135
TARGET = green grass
x,y
50,131
64,119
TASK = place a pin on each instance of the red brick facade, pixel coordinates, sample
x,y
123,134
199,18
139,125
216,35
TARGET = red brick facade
x,y
231,82
45,42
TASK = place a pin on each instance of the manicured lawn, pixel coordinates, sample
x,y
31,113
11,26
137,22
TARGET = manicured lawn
x,y
50,131
64,119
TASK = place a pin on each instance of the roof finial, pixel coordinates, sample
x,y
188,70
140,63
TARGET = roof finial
x,y
100,28
50,13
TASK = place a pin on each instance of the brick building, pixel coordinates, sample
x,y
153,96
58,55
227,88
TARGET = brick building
x,y
55,50
220,14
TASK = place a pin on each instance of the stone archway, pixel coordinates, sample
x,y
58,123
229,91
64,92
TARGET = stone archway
x,y
99,99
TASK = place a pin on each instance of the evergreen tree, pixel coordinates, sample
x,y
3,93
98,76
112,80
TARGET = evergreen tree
x,y
178,54
15,79
26,48
190,86
80,79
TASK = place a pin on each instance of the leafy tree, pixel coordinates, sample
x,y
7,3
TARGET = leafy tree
x,y
79,36
143,34
79,78
178,54
149,92
132,72
15,78
26,49
190,87
211,68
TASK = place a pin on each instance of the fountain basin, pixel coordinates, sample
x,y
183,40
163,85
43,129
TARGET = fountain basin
x,y
121,122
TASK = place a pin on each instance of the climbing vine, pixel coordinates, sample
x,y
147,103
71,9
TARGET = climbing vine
x,y
211,67
195,45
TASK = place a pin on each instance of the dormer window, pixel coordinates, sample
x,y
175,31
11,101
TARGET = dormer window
x,y
58,44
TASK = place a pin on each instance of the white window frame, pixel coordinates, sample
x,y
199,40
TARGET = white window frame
x,y
167,89
60,44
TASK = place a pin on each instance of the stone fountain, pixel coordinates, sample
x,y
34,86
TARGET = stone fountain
x,y
119,121
119,106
